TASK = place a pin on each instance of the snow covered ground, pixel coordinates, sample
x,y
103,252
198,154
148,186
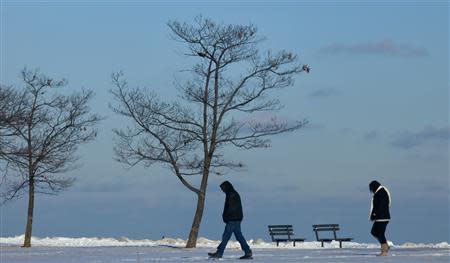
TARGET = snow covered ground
x,y
90,250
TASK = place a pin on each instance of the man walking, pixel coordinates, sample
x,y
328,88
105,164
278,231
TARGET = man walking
x,y
232,216
379,214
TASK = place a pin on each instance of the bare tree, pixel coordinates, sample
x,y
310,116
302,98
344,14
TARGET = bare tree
x,y
6,97
230,81
9,110
40,133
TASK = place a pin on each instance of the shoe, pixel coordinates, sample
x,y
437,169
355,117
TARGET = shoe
x,y
248,255
214,255
384,250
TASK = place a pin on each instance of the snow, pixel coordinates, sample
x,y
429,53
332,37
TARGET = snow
x,y
90,250
201,243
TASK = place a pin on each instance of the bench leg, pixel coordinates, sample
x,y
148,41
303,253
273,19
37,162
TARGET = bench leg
x,y
294,243
277,243
322,243
340,244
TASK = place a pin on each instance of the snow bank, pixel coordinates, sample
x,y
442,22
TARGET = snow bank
x,y
177,242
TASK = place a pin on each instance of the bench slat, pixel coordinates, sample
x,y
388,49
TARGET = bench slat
x,y
326,225
281,229
281,232
326,229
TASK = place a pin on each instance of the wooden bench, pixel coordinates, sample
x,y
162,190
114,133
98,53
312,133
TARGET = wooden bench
x,y
329,228
283,233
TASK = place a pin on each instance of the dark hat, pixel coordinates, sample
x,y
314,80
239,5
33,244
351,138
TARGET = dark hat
x,y
226,187
373,186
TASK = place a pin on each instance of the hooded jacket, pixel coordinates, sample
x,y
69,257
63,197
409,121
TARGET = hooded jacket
x,y
232,210
381,201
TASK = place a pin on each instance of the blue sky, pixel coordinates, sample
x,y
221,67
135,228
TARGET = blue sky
x,y
377,99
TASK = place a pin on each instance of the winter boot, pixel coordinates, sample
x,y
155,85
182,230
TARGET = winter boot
x,y
248,255
384,250
214,255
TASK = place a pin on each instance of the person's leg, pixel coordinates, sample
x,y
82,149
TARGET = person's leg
x,y
225,238
382,231
240,238
383,241
378,230
375,231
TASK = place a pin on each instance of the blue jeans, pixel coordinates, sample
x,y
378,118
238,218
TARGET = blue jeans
x,y
230,228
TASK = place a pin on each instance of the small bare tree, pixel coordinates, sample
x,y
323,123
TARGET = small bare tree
x,y
10,110
40,133
231,80
6,102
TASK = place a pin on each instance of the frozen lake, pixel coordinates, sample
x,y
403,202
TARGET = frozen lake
x,y
99,250
13,254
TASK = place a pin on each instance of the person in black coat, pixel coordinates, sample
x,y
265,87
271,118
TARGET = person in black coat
x,y
232,216
380,214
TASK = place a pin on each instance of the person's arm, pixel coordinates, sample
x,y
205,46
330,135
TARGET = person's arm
x,y
376,207
226,210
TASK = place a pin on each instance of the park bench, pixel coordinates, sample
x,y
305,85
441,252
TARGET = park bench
x,y
329,228
283,233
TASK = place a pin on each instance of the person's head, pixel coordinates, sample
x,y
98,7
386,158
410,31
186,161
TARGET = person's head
x,y
226,187
373,186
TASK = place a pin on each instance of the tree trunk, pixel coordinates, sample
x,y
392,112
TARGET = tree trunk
x,y
27,241
192,241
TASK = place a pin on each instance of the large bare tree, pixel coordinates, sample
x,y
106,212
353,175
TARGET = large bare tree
x,y
40,133
231,80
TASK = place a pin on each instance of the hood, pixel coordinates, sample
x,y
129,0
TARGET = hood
x,y
227,187
373,186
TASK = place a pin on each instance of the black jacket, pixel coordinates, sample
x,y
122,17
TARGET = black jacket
x,y
232,210
380,209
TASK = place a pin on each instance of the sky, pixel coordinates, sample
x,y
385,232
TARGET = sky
x,y
377,101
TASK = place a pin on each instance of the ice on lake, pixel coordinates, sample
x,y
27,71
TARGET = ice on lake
x,y
97,250
168,254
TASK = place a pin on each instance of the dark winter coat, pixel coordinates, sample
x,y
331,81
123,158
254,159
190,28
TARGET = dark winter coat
x,y
232,210
380,203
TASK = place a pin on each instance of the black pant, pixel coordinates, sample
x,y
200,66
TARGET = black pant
x,y
378,230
